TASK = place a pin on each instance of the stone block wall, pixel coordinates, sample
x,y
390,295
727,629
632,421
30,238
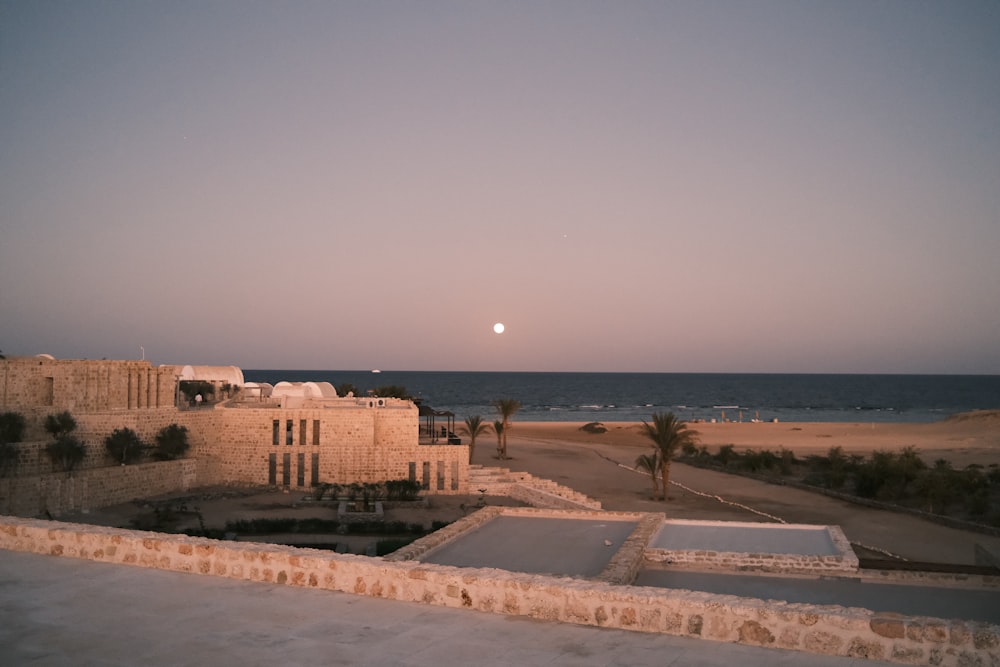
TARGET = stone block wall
x,y
58,493
350,442
527,488
340,440
92,428
84,385
818,629
844,561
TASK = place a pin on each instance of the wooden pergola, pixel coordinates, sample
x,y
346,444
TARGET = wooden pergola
x,y
446,431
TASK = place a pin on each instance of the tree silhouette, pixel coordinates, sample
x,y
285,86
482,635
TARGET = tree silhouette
x,y
474,427
506,408
124,446
669,435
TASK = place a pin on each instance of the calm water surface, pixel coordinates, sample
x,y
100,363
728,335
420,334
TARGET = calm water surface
x,y
635,396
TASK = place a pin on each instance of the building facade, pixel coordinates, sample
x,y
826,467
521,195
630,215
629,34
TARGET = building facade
x,y
295,444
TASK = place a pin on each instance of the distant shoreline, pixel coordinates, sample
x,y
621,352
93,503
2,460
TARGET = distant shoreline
x,y
962,439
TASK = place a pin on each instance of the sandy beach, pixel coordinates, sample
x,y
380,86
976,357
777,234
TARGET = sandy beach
x,y
597,464
962,439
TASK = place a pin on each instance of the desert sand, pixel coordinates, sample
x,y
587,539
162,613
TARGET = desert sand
x,y
962,439
598,465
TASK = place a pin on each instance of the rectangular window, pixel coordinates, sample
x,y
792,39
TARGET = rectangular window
x,y
315,470
300,477
413,472
276,431
426,483
289,432
302,432
316,432
454,475
440,475
286,469
272,469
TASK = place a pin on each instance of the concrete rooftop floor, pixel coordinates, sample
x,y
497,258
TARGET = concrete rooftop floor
x,y
572,547
63,611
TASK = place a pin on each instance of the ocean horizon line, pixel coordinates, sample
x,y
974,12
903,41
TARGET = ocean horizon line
x,y
379,371
628,395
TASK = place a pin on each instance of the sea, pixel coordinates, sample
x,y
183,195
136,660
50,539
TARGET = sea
x,y
630,397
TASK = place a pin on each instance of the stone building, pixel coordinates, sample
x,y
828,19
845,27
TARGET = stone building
x,y
303,436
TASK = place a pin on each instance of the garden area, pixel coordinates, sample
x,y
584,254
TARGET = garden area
x,y
278,516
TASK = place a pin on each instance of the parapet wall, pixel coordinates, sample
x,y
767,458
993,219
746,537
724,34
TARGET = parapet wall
x,y
826,630
840,560
523,486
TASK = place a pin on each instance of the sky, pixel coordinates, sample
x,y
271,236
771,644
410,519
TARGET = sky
x,y
691,186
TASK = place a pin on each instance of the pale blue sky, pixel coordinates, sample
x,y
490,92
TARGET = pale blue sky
x,y
628,186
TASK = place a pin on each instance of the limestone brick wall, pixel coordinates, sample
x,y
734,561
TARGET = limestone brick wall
x,y
819,629
271,446
93,428
763,562
58,493
350,442
84,385
335,441
527,488
845,560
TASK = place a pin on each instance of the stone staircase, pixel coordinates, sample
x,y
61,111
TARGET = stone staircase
x,y
523,486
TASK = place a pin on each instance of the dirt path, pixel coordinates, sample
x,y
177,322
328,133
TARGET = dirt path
x,y
593,468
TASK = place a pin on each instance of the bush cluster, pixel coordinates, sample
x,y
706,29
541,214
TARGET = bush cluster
x,y
390,490
899,477
320,526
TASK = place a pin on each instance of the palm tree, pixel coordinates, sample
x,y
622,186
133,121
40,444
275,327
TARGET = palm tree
x,y
474,427
651,466
506,407
669,434
498,429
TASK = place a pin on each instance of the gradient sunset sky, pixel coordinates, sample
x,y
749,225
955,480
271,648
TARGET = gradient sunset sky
x,y
707,186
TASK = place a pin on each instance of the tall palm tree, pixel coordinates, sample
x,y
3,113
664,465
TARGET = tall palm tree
x,y
669,434
474,427
649,464
498,429
506,407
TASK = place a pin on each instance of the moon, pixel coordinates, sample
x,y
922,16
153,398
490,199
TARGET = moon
x,y
498,328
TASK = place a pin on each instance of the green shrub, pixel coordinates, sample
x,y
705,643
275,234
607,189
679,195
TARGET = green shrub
x,y
171,443
787,462
124,446
66,452
10,457
12,425
726,454
60,424
191,389
391,391
402,489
